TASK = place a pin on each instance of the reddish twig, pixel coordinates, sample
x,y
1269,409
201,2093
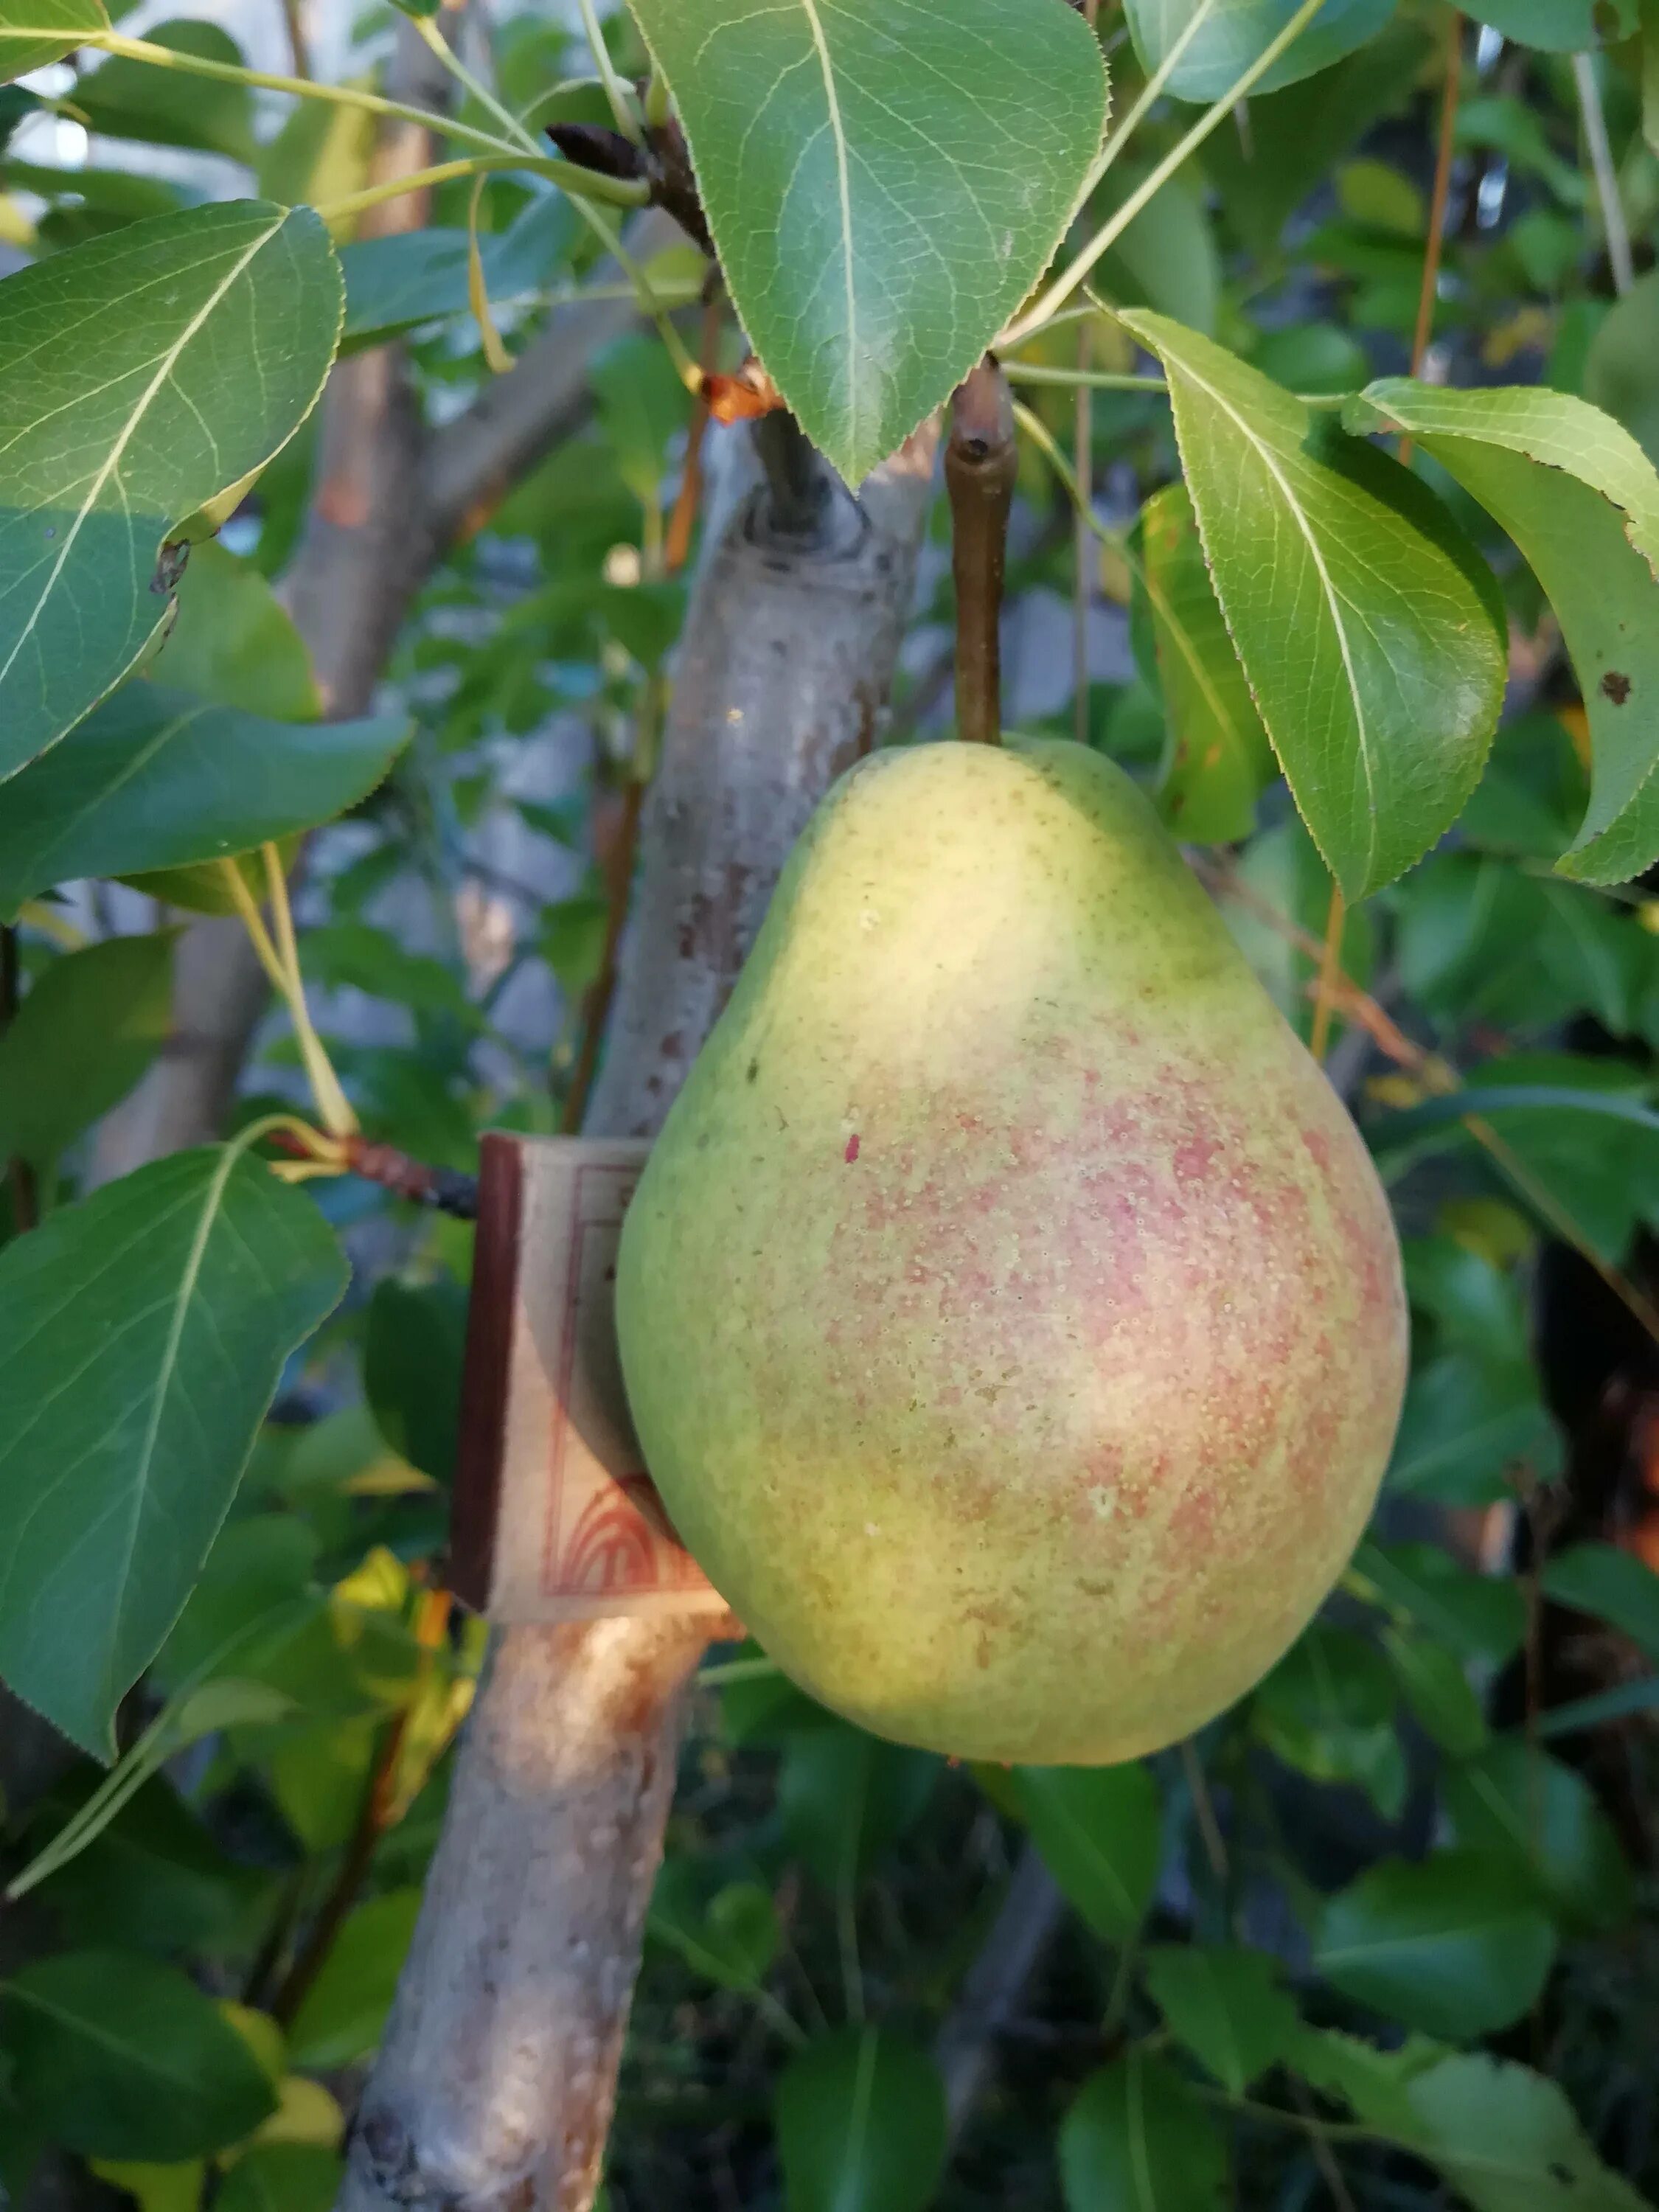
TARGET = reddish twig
x,y
1434,245
447,1190
982,461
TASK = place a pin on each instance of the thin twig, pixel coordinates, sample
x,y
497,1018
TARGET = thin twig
x,y
1026,1922
1330,963
982,461
1215,1848
618,868
1607,176
676,545
298,46
1434,245
1324,2158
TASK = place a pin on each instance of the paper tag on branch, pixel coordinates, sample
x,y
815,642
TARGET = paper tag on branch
x,y
554,1517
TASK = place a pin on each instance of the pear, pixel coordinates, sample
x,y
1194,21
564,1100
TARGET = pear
x,y
1010,1312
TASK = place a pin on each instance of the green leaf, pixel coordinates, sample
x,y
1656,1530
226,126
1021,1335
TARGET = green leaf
x,y
116,2055
342,2013
1454,1946
861,2124
155,778
1136,2140
1621,369
1217,761
233,641
141,1335
731,1937
35,32
1478,1616
125,98
260,1563
412,1359
1100,1830
1612,1585
1373,2082
1467,1424
413,278
1580,499
1372,640
86,1031
1234,32
1224,2004
844,1796
1435,1686
152,1877
834,138
1559,27
1295,137
1327,1710
1515,1800
281,2177
200,344
1506,2139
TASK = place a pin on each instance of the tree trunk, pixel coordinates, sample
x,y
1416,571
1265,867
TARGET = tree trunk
x,y
496,2079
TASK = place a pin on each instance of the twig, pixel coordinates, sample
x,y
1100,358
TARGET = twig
x,y
965,2052
1607,176
982,461
1330,962
617,866
298,46
1084,432
1215,1848
378,1815
25,1198
1434,245
1324,2158
676,545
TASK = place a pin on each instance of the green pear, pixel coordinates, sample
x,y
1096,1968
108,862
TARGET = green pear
x,y
1011,1314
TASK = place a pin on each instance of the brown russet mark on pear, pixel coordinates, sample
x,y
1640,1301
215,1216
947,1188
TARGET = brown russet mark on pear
x,y
1042,1435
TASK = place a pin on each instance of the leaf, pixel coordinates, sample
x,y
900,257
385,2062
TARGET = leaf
x,y
1373,2082
1559,27
1478,1616
868,173
156,779
1372,639
1620,367
413,278
1327,1710
153,1877
1514,1801
1217,762
844,1797
412,1359
1224,2004
260,1563
233,641
116,2055
141,376
1453,1945
1100,1830
1136,2140
126,98
88,1029
35,32
1612,1585
1580,500
1505,2138
1435,1686
342,2013
282,2177
1467,1424
141,1335
1234,32
861,2124
1295,137
732,1938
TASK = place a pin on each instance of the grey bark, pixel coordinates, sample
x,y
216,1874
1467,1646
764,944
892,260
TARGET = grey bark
x,y
496,2079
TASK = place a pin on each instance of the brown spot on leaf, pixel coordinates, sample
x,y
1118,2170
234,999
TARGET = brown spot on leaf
x,y
1615,686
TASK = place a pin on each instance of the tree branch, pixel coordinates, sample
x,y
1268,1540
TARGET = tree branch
x,y
497,2080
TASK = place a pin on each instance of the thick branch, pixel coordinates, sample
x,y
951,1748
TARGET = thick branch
x,y
495,2082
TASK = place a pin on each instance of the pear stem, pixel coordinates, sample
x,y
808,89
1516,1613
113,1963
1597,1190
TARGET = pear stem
x,y
981,462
